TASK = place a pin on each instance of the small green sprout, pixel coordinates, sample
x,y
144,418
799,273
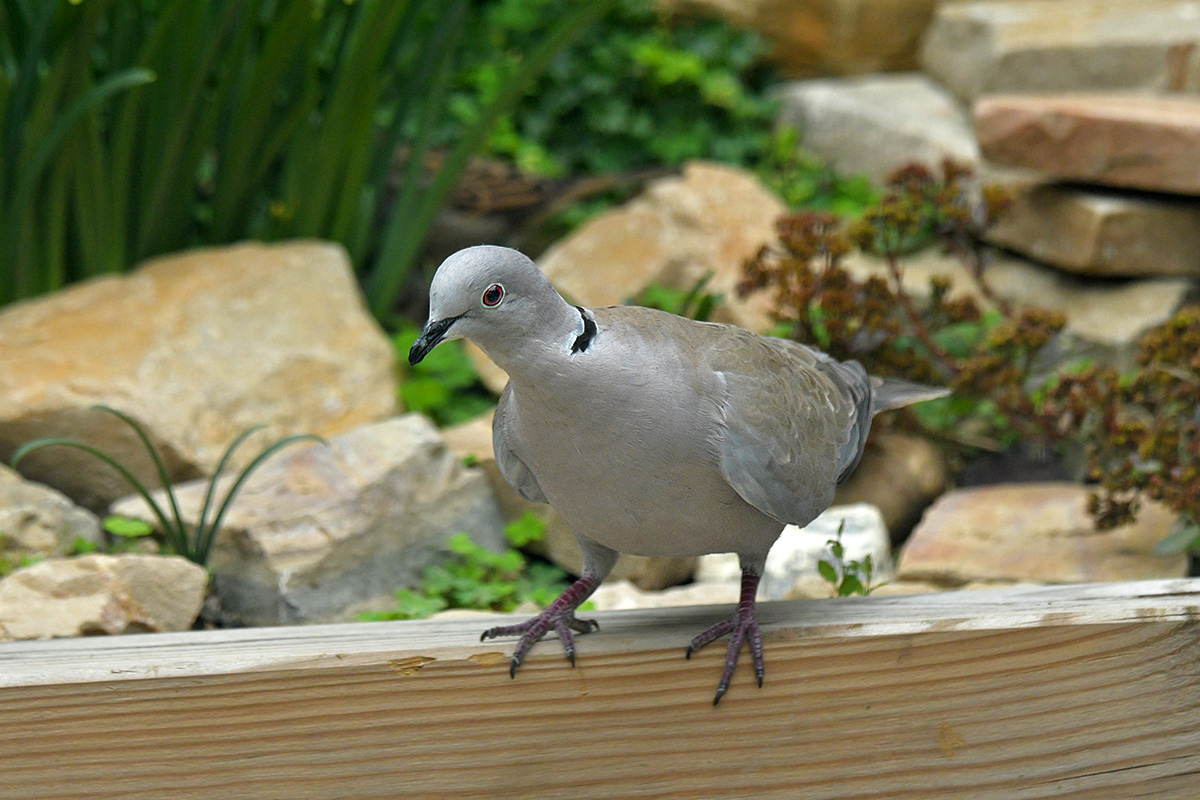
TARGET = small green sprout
x,y
847,577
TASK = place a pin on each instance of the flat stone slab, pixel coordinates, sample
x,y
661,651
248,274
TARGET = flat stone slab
x,y
1022,46
1033,532
1100,232
1131,141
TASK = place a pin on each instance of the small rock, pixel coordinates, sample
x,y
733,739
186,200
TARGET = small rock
x,y
623,595
1037,532
101,594
1130,141
876,124
1098,232
900,475
196,347
320,533
474,439
1067,45
798,550
36,520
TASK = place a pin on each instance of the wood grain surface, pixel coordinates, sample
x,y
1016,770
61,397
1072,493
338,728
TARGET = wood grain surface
x,y
1086,691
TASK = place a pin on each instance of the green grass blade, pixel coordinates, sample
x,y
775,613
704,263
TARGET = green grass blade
x,y
237,485
176,536
37,26
435,68
158,463
212,483
80,106
405,235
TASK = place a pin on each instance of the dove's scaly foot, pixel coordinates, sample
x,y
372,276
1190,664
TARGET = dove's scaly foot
x,y
742,628
559,617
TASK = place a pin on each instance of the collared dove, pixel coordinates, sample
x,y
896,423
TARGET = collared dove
x,y
653,434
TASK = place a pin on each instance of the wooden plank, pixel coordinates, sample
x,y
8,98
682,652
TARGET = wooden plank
x,y
1082,691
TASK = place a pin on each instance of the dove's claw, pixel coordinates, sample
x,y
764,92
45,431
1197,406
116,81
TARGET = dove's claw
x,y
742,629
559,616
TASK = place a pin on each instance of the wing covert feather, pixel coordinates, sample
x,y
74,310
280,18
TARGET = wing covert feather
x,y
793,420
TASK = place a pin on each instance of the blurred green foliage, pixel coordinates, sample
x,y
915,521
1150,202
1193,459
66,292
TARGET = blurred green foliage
x,y
444,385
130,128
640,90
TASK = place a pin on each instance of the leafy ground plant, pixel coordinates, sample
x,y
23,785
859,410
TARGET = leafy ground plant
x,y
475,577
848,577
195,546
1139,430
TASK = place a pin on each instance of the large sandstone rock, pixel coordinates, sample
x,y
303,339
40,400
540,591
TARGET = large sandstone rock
x,y
708,221
100,594
821,37
1099,232
1106,318
875,125
36,520
320,533
1065,45
1032,532
473,440
1115,140
195,347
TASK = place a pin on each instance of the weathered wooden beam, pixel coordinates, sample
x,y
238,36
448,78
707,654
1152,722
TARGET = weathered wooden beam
x,y
1076,691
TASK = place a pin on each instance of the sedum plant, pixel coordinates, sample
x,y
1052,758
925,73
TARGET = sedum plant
x,y
193,545
1138,430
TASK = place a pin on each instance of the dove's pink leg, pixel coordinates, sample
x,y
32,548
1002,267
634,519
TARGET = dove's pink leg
x,y
559,616
742,628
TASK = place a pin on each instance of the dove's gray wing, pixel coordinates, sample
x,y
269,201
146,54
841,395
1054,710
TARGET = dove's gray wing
x,y
795,422
513,469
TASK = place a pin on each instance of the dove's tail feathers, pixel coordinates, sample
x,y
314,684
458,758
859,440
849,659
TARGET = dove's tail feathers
x,y
889,393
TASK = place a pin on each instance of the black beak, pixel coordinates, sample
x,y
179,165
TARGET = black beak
x,y
429,339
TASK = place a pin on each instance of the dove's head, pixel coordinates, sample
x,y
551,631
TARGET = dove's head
x,y
494,296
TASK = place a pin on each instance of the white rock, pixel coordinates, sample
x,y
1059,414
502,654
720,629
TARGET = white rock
x,y
623,595
98,594
799,550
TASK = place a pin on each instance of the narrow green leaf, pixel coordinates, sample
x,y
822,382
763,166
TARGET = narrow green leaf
x,y
201,523
159,466
206,547
173,535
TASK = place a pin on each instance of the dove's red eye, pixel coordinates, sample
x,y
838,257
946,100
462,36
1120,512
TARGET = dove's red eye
x,y
492,295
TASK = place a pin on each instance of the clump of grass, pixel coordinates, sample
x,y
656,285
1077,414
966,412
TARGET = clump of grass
x,y
195,546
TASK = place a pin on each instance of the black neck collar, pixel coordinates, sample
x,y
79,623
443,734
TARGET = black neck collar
x,y
589,332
